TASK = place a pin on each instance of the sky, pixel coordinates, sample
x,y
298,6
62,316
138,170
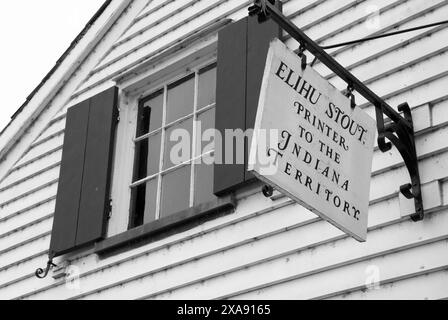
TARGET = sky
x,y
34,34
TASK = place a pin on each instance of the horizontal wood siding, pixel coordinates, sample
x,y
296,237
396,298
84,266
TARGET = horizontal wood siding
x,y
267,248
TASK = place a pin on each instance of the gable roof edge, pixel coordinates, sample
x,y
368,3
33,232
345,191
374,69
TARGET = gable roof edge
x,y
72,58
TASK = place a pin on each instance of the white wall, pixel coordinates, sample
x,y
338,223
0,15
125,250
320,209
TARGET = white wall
x,y
266,249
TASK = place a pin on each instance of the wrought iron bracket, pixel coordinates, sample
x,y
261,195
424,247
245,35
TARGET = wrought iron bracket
x,y
399,130
402,137
41,273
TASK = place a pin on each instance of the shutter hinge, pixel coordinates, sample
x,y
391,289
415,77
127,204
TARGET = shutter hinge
x,y
109,215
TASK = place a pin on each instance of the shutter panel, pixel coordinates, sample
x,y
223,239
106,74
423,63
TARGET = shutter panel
x,y
65,222
230,99
82,202
259,36
95,196
242,52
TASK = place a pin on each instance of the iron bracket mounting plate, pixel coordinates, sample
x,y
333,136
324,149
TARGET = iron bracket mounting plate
x,y
399,130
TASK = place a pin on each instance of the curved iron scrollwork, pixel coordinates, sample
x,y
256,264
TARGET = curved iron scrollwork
x,y
41,273
401,135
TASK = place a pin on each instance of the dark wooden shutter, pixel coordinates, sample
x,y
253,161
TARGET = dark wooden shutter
x,y
242,52
65,222
82,203
259,36
95,197
230,99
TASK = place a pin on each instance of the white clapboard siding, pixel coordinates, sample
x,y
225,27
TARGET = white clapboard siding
x,y
17,221
53,130
50,159
321,24
418,94
428,73
160,27
226,10
185,248
146,19
433,168
31,231
48,143
440,112
22,251
21,269
42,193
395,15
234,269
41,149
154,5
411,75
315,262
430,138
393,266
227,236
97,76
358,53
225,239
318,18
424,49
428,286
266,249
29,186
427,145
410,51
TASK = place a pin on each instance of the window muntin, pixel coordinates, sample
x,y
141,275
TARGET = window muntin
x,y
161,187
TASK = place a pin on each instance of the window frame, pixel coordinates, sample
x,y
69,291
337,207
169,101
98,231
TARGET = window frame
x,y
119,234
164,129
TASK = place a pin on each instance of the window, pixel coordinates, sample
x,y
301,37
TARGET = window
x,y
163,186
137,190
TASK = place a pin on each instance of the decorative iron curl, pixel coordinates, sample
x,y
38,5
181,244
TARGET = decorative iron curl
x,y
41,273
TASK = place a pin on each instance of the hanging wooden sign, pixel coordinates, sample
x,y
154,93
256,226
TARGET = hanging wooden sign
x,y
310,144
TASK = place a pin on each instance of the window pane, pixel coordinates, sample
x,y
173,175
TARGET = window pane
x,y
175,191
207,88
154,143
203,183
144,201
138,198
181,147
143,121
155,106
150,201
149,156
180,99
150,114
141,160
206,121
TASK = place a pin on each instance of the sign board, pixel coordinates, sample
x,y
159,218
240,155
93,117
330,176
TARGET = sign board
x,y
310,144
